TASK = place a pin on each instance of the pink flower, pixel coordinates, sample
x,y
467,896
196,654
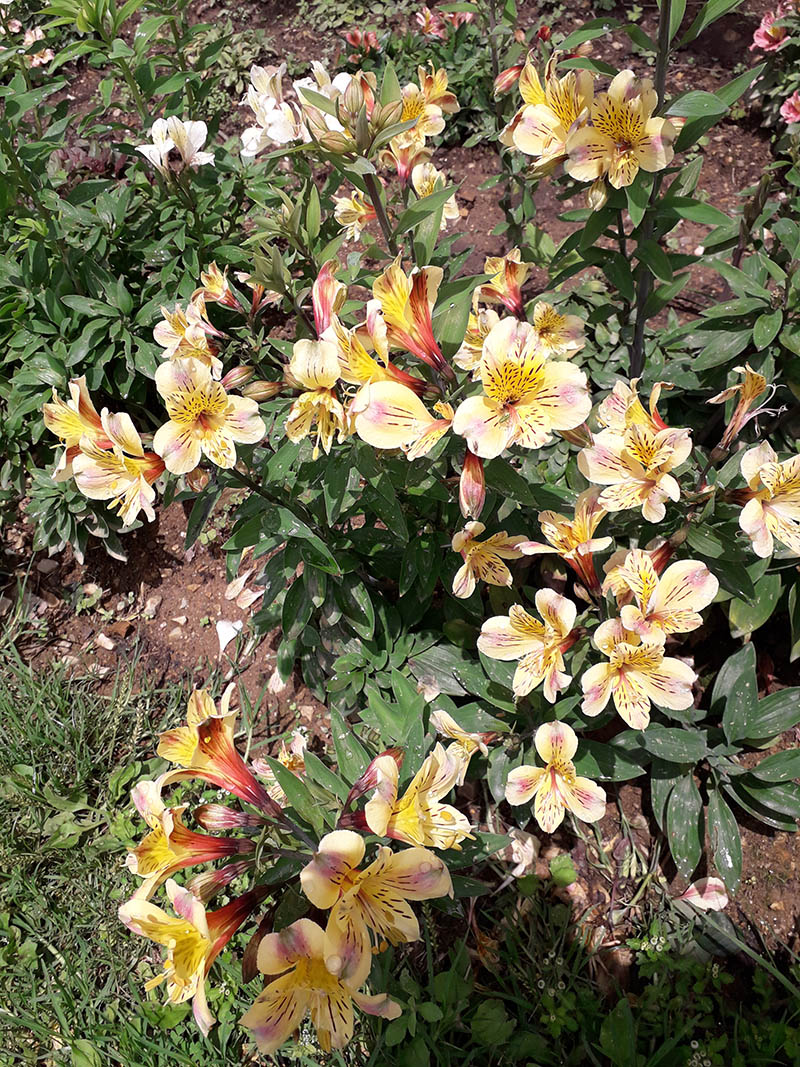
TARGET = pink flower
x,y
790,108
707,894
430,23
769,36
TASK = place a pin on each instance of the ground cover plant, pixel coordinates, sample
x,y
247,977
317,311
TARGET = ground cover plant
x,y
512,550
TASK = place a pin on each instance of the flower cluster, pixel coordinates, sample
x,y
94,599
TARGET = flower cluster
x,y
598,137
184,136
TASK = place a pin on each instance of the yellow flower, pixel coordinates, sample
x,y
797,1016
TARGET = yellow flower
x,y
123,473
315,366
203,419
539,646
465,744
406,302
429,120
479,326
557,336
508,276
556,786
483,560
623,136
433,84
171,846
666,605
310,981
374,899
73,420
636,673
204,747
426,179
418,817
748,391
389,415
214,288
525,397
193,939
404,152
353,213
186,333
551,112
772,508
573,539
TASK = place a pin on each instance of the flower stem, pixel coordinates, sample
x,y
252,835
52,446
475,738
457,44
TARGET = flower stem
x,y
644,276
380,210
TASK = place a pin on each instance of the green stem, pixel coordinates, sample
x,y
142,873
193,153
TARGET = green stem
x,y
380,210
644,276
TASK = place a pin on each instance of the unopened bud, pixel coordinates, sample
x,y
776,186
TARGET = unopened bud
x,y
237,377
353,97
384,115
580,436
261,390
197,480
472,486
333,141
597,195
507,78
544,33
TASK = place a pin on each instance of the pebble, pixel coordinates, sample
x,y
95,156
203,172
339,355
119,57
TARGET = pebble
x,y
151,606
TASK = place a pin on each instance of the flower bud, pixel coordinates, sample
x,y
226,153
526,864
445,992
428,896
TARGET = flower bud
x,y
597,195
237,377
353,97
472,486
580,436
219,817
507,78
197,480
543,33
384,115
262,390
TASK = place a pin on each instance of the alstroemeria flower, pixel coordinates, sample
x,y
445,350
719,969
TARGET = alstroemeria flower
x,y
404,152
464,745
193,939
623,136
186,333
73,420
539,646
158,151
44,55
406,302
472,486
357,366
790,108
573,539
525,397
353,213
772,508
276,121
557,336
433,84
483,560
310,981
204,748
479,325
419,817
430,23
123,474
375,898
171,846
770,36
508,276
635,466
214,288
635,674
556,786
426,179
415,106
389,415
706,894
188,138
670,604
622,407
292,757
203,419
328,295
747,392
315,366
550,113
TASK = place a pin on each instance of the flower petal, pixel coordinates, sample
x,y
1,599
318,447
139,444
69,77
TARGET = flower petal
x,y
556,742
523,782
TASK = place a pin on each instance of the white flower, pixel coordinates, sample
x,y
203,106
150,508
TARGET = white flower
x,y
158,152
189,137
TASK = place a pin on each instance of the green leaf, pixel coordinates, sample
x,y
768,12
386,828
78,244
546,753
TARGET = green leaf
x,y
767,328
774,796
775,714
732,90
297,609
663,779
674,744
780,767
736,686
562,870
656,259
607,762
745,616
726,841
697,104
418,211
685,825
676,14
390,86
737,790
354,600
199,515
297,793
638,195
708,13
618,1036
733,577
318,772
351,756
